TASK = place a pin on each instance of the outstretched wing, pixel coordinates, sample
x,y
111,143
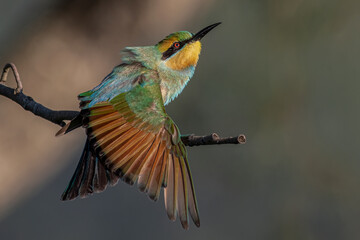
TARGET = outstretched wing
x,y
135,138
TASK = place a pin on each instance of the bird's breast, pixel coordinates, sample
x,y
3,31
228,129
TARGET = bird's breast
x,y
173,82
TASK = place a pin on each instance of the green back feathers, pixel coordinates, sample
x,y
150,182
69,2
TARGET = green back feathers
x,y
148,56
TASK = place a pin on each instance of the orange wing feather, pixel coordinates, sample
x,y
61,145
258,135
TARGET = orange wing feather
x,y
135,149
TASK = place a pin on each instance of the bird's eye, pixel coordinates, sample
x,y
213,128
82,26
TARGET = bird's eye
x,y
176,45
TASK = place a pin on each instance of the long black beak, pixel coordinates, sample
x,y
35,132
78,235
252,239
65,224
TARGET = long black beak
x,y
199,35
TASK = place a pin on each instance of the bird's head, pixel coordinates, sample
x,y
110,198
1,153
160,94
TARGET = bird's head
x,y
181,50
178,51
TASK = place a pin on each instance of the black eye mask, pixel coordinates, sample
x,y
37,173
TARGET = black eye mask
x,y
172,50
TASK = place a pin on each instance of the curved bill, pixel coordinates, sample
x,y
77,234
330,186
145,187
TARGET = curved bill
x,y
199,35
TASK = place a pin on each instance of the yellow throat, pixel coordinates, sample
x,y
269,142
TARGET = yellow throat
x,y
186,57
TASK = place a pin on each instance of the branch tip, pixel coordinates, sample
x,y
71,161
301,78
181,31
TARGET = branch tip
x,y
241,139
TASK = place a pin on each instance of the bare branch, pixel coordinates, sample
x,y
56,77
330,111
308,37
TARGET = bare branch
x,y
31,105
192,140
58,117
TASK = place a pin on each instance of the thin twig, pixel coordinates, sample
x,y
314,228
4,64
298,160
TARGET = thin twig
x,y
5,72
58,117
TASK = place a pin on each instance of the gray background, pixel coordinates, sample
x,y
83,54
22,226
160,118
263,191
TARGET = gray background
x,y
285,73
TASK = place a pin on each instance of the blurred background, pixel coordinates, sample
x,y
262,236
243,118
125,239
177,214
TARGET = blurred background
x,y
283,72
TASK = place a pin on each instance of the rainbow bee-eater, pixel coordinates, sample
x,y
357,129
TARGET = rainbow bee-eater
x,y
129,134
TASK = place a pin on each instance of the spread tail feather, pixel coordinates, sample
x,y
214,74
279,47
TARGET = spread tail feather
x,y
90,176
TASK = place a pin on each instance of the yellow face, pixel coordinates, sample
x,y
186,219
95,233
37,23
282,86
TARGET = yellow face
x,y
185,57
179,51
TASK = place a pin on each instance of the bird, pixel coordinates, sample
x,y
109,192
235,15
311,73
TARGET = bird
x,y
129,134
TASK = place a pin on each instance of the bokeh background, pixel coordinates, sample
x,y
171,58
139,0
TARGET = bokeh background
x,y
283,72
